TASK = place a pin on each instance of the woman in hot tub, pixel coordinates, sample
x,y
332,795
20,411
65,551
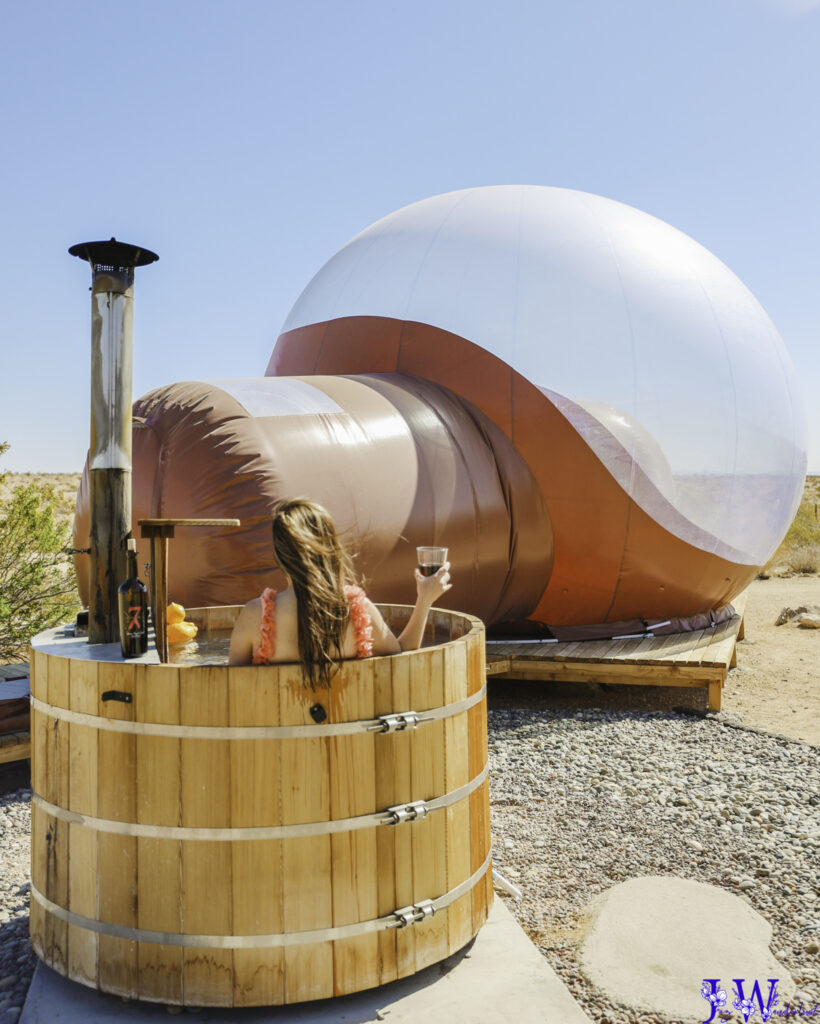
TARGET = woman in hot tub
x,y
323,616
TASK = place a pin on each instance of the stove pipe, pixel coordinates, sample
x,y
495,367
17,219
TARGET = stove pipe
x,y
109,460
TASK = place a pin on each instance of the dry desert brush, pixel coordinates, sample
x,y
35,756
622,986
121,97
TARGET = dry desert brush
x,y
800,550
37,585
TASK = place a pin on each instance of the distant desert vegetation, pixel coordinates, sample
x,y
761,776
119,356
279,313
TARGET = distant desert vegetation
x,y
799,552
64,485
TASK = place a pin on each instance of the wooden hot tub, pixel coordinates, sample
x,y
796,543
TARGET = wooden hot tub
x,y
204,836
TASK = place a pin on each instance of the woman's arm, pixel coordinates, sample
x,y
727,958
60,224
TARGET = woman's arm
x,y
384,641
428,590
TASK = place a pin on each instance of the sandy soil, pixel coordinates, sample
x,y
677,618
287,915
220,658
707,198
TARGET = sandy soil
x,y
776,685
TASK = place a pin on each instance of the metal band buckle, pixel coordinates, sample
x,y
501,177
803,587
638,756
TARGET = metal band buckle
x,y
397,722
418,912
407,812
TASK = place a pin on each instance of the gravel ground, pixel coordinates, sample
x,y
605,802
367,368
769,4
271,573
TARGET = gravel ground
x,y
16,957
584,799
581,800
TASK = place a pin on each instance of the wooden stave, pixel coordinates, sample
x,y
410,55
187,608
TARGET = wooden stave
x,y
157,974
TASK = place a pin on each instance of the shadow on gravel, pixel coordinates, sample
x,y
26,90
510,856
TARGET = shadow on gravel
x,y
572,697
16,775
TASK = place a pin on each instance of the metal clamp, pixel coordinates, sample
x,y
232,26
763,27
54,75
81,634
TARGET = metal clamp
x,y
418,912
407,812
396,723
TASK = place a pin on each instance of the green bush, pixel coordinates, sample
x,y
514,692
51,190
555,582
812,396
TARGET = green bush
x,y
800,550
37,584
805,528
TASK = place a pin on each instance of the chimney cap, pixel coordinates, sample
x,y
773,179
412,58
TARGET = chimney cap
x,y
113,255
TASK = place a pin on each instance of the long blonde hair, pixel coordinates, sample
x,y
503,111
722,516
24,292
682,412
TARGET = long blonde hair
x,y
308,549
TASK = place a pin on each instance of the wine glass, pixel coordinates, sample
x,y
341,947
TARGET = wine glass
x,y
430,560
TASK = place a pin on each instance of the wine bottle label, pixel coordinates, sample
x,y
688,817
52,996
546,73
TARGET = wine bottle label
x,y
135,621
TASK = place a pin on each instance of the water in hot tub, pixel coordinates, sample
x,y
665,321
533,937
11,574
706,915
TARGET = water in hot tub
x,y
209,648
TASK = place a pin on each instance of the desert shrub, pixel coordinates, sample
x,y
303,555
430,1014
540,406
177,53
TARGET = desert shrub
x,y
802,558
37,585
800,550
805,528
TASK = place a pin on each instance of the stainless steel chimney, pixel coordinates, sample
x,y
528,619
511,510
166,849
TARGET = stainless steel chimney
x,y
112,314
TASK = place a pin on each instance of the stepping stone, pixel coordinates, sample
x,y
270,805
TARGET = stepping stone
x,y
650,943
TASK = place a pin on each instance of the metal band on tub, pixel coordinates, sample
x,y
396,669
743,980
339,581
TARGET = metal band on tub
x,y
411,811
400,918
397,721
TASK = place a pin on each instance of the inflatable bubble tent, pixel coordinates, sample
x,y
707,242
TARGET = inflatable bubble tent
x,y
660,360
638,405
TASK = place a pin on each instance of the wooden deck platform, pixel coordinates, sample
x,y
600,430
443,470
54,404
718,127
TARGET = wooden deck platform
x,y
701,658
14,684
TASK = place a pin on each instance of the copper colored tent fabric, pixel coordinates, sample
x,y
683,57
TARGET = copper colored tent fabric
x,y
613,561
411,435
399,461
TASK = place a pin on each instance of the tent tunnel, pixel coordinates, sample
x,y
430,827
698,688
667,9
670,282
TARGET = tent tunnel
x,y
583,403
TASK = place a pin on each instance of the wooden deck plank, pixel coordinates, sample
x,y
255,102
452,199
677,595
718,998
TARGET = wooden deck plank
x,y
603,650
723,641
675,646
623,672
642,650
555,652
706,639
15,746
721,654
496,664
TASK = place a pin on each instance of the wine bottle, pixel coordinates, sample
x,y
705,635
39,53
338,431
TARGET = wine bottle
x,y
133,602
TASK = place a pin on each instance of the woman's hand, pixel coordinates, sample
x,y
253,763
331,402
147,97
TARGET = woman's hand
x,y
430,588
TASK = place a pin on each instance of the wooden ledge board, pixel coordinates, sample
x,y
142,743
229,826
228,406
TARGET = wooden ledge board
x,y
14,746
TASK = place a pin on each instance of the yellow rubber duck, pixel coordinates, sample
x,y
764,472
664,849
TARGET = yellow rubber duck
x,y
179,631
175,613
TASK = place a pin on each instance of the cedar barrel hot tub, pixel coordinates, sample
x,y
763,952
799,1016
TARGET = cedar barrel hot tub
x,y
215,836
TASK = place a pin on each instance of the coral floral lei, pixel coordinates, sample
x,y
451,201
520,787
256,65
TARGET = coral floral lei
x,y
360,616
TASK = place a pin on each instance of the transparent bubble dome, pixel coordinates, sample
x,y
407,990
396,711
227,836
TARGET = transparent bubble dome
x,y
663,361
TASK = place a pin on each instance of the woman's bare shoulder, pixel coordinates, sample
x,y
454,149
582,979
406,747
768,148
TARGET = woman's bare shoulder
x,y
250,615
245,633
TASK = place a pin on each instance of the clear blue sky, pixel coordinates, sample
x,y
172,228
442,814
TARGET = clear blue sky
x,y
246,141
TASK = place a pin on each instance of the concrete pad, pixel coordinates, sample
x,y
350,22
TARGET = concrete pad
x,y
650,943
500,978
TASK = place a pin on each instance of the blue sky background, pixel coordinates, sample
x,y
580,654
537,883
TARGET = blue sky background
x,y
247,141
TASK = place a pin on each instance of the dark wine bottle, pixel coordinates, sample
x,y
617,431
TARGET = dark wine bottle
x,y
133,602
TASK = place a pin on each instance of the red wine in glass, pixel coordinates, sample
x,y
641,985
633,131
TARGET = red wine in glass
x,y
430,560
